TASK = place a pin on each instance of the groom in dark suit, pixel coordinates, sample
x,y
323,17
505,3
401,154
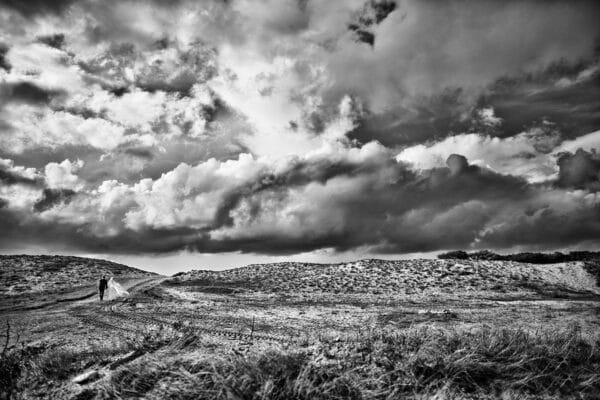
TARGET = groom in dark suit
x,y
102,287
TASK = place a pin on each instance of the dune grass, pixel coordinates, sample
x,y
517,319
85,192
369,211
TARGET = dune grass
x,y
416,363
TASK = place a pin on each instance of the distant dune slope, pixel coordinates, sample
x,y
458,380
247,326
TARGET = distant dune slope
x,y
21,274
399,277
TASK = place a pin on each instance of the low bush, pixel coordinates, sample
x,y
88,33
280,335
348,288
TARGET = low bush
x,y
11,367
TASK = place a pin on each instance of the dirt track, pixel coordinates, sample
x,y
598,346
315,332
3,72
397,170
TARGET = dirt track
x,y
229,319
131,287
124,316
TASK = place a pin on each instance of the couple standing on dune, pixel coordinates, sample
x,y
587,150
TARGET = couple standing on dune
x,y
112,288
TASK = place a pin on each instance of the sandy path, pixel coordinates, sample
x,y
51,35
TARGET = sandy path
x,y
131,286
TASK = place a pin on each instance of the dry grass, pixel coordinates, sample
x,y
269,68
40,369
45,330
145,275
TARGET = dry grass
x,y
339,340
385,277
415,363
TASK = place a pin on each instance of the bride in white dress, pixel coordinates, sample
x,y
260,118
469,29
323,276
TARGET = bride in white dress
x,y
115,290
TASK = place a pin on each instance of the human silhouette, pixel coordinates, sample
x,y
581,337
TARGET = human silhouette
x,y
102,287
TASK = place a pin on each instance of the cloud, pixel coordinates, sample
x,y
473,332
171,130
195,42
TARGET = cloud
x,y
33,7
12,175
19,186
424,47
63,175
341,198
4,64
292,126
162,66
554,219
358,197
580,170
585,142
52,197
56,40
526,155
27,92
563,94
34,128
372,13
140,153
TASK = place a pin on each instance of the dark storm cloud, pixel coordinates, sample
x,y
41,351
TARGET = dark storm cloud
x,y
18,230
118,91
373,217
35,7
580,170
547,229
28,92
568,96
372,13
181,84
434,64
3,62
8,177
140,152
564,95
52,197
83,112
298,175
390,208
56,40
382,216
428,117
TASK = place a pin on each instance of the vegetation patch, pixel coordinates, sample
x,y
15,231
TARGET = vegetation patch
x,y
413,363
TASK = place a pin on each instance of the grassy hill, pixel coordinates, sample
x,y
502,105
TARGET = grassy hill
x,y
371,329
383,277
29,274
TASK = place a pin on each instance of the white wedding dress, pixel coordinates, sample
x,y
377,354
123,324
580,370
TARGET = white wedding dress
x,y
114,290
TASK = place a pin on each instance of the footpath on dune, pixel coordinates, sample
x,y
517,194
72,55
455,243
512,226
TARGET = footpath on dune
x,y
78,297
131,286
149,306
32,282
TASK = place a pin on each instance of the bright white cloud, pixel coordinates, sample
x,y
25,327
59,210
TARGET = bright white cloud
x,y
515,155
64,175
34,128
589,142
19,170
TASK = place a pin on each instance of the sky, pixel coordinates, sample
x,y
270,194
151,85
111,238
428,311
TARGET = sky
x,y
173,135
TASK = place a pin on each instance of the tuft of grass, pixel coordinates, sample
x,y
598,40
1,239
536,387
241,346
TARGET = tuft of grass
x,y
62,363
416,363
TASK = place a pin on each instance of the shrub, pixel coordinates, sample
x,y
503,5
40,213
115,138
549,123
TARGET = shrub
x,y
11,367
458,255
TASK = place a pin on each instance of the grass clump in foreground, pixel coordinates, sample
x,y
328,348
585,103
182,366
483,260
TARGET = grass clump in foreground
x,y
416,363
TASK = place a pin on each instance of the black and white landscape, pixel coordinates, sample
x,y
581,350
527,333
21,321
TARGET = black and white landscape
x,y
304,199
